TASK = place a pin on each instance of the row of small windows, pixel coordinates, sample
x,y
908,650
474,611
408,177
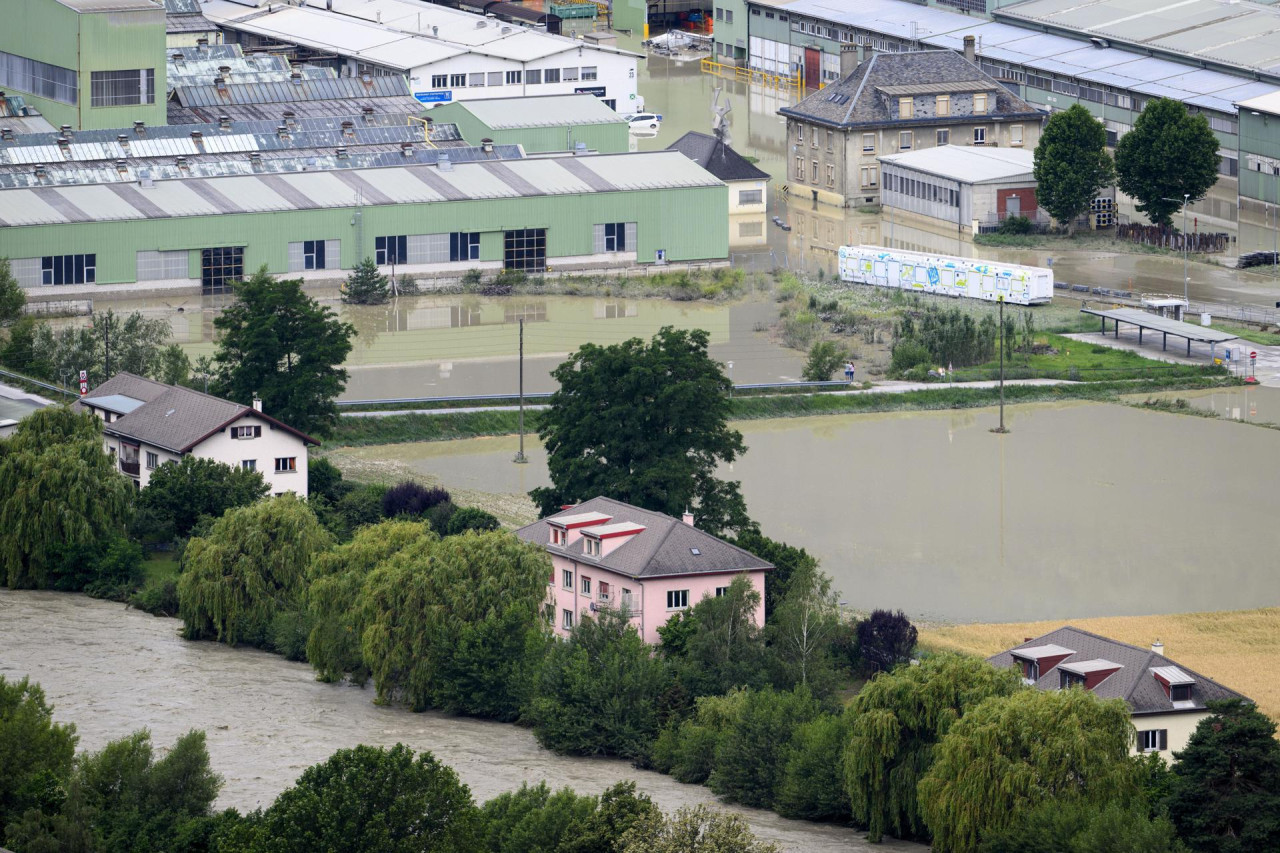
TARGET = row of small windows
x,y
38,78
921,189
528,77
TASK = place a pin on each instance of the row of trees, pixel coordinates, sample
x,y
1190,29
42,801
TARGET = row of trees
x,y
1170,156
364,800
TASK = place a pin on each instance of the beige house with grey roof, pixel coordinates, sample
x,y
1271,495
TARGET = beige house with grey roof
x,y
893,103
147,424
1166,699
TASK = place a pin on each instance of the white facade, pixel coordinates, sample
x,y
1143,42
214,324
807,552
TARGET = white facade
x,y
446,54
278,454
748,196
1177,729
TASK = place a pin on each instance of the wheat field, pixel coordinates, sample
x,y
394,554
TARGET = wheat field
x,y
1239,649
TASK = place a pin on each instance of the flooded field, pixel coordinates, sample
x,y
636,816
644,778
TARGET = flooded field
x,y
1260,405
111,671
1083,510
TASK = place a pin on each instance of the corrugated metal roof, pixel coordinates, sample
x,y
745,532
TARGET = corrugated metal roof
x,y
541,111
182,7
1172,674
1040,652
185,195
394,110
90,6
1085,667
286,92
967,164
1267,103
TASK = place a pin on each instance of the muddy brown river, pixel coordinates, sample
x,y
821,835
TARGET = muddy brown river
x,y
1085,509
111,671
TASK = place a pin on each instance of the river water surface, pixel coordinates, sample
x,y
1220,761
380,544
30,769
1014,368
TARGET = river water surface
x,y
111,671
1084,509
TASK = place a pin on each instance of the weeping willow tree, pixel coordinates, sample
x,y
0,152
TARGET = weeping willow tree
x,y
456,623
59,490
1011,753
898,719
336,579
250,567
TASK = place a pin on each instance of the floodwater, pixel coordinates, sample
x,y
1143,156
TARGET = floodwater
x,y
111,671
1259,405
1082,510
682,93
458,345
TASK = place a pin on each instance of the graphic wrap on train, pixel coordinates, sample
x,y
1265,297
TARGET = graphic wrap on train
x,y
945,275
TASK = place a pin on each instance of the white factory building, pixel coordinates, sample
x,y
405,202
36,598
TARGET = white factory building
x,y
446,54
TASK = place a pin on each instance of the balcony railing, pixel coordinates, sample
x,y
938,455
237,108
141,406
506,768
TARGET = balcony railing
x,y
130,468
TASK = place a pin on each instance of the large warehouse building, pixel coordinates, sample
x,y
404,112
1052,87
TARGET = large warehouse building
x,y
440,213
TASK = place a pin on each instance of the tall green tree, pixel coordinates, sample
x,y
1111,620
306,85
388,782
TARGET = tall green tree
x,y
619,809
1076,826
59,490
35,752
811,786
249,568
1072,164
1014,752
786,559
1225,794
335,581
751,758
282,345
717,644
181,493
694,830
646,424
110,344
533,819
457,623
371,799
1168,154
802,630
596,694
365,285
898,720
12,296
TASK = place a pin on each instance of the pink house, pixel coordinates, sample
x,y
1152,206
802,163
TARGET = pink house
x,y
609,554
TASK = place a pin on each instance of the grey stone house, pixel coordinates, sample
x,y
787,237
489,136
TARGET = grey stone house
x,y
894,102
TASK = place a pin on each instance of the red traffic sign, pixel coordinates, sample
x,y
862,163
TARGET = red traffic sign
x,y
84,376
1253,355
84,388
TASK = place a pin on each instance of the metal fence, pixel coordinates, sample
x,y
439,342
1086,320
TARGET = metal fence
x,y
760,261
18,377
1243,313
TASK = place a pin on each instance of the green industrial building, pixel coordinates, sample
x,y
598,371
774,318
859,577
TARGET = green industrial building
x,y
90,64
540,124
464,209
1260,173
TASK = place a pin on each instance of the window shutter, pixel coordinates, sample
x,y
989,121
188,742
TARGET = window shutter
x,y
597,239
1164,738
631,237
257,432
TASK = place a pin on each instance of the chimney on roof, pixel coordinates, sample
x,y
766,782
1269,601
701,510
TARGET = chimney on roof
x,y
850,57
970,49
257,403
140,128
225,71
687,518
486,145
1158,647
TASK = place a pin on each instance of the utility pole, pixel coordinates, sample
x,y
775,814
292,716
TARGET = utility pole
x,y
1000,429
106,343
520,457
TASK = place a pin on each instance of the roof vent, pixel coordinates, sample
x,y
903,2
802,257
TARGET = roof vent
x,y
202,42
65,130
366,78
480,24
178,58
182,163
1099,42
367,112
220,84
444,164
140,128
295,77
6,133
225,71
224,122
255,159
348,128
40,170
63,142
289,118
506,30
144,179
486,145
197,135
579,148
340,153
435,31
406,148
124,141
122,166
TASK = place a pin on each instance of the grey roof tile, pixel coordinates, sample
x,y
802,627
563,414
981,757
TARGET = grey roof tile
x,y
666,547
717,158
855,101
1134,682
171,416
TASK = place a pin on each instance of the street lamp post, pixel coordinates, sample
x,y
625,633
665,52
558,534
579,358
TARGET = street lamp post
x,y
1186,276
730,378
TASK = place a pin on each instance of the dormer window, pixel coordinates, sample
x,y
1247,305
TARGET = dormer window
x,y
591,546
1176,683
980,103
558,536
943,105
906,108
1180,693
1069,679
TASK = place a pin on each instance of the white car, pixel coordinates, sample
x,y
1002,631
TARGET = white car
x,y
649,121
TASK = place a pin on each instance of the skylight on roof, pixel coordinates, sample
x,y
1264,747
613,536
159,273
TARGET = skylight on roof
x,y
838,98
695,552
